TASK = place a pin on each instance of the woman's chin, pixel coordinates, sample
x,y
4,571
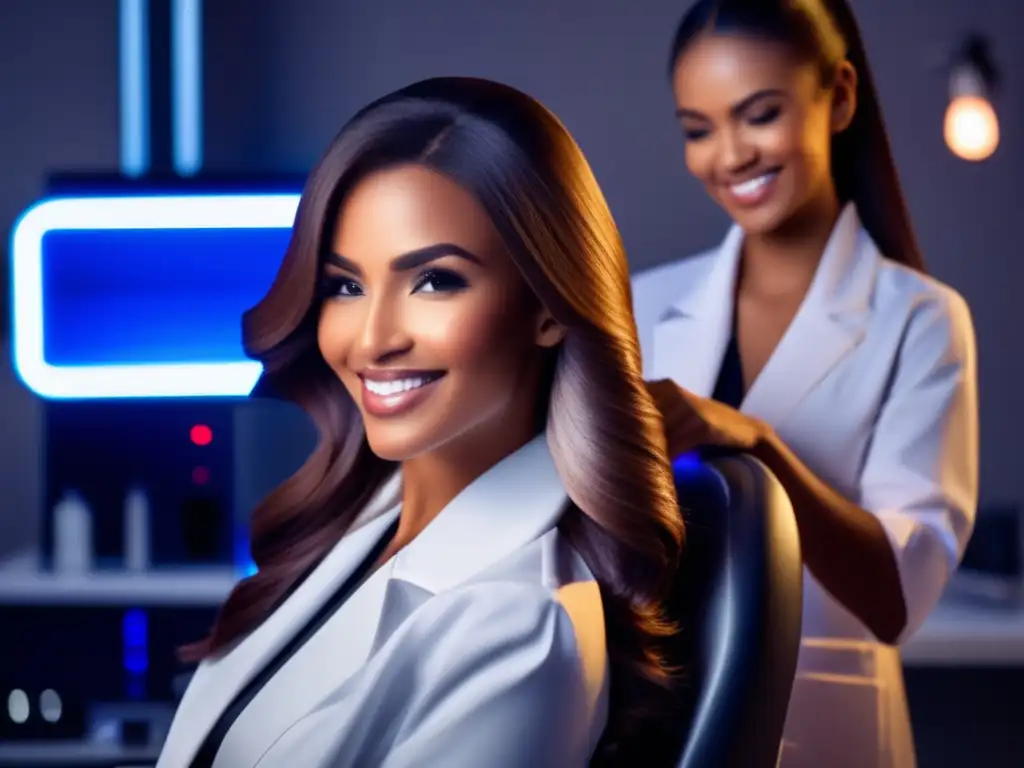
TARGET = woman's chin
x,y
763,220
392,447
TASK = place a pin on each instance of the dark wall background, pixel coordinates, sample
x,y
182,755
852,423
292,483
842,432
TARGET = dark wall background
x,y
283,75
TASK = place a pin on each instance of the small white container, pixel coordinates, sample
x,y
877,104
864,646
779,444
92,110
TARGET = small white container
x,y
136,531
72,535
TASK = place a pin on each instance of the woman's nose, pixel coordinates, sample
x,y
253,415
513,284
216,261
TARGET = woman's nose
x,y
735,154
383,333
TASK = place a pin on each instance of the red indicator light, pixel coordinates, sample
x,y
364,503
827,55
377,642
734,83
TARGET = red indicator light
x,y
201,434
200,475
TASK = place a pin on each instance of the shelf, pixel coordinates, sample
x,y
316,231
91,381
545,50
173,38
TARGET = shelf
x,y
74,754
958,633
22,583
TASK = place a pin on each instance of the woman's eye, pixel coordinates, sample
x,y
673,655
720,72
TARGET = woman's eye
x,y
341,286
350,288
439,281
765,117
695,134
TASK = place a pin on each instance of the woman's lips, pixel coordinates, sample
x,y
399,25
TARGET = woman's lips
x,y
393,393
753,191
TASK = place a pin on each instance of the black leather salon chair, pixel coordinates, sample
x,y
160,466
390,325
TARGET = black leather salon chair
x,y
740,601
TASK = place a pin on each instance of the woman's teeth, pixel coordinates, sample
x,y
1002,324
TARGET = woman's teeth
x,y
752,186
386,388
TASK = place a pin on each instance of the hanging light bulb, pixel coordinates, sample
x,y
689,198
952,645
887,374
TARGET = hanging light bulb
x,y
971,126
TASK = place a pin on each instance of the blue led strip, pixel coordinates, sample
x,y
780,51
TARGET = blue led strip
x,y
190,376
135,652
187,85
134,86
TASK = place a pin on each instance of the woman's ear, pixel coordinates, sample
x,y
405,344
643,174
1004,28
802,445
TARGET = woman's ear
x,y
844,97
550,332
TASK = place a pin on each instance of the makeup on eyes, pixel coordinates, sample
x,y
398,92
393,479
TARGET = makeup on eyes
x,y
759,117
752,109
440,280
435,280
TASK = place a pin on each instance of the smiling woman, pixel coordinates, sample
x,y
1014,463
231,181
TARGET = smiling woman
x,y
427,322
470,570
813,338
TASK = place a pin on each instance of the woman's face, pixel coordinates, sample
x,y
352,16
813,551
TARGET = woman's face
x,y
426,320
758,126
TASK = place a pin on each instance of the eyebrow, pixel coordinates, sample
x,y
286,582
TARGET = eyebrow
x,y
735,109
410,259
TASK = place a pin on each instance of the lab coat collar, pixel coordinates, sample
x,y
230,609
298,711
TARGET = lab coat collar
x,y
513,503
843,281
218,680
691,336
516,501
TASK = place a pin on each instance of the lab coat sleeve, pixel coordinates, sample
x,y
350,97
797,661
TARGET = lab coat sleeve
x,y
921,473
494,679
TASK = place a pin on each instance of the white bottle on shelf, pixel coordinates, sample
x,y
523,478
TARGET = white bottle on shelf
x,y
72,535
136,531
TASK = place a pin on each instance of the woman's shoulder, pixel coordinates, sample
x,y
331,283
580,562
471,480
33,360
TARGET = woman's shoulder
x,y
656,289
899,282
661,284
520,605
503,651
528,635
540,586
543,595
921,300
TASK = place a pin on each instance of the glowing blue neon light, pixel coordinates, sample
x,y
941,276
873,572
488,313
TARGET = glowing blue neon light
x,y
226,220
135,642
244,565
134,84
187,85
687,462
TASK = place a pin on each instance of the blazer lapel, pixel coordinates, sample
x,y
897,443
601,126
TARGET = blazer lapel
x,y
829,324
216,682
492,518
517,500
691,337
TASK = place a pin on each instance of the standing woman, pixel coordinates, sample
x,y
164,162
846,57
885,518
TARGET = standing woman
x,y
813,337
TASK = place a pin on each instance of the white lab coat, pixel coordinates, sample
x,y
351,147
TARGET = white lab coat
x,y
873,386
479,644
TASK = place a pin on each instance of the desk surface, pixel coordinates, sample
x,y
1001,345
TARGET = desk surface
x,y
965,635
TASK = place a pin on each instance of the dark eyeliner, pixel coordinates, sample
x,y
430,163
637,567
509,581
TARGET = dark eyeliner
x,y
445,280
767,116
694,134
330,285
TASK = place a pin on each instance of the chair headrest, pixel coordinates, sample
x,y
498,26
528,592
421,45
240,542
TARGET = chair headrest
x,y
739,601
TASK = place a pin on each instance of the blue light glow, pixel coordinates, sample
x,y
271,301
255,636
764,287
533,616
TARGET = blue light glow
x,y
135,642
687,461
133,65
244,566
689,468
187,84
120,297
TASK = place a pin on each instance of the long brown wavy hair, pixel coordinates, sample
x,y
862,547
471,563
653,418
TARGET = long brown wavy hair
x,y
604,430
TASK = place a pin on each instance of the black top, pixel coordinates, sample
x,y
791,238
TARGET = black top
x,y
729,385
